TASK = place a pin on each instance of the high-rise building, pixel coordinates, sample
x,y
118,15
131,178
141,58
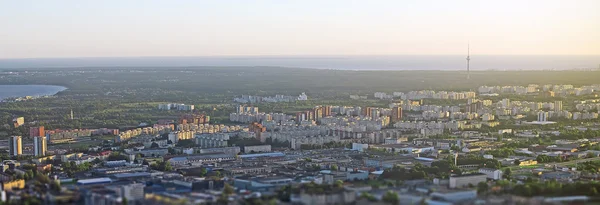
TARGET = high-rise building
x,y
37,131
300,116
505,103
473,107
326,110
396,114
558,106
15,146
318,113
39,146
542,116
367,111
239,109
375,113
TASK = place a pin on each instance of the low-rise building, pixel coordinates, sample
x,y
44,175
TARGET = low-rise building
x,y
14,184
257,148
458,181
494,174
453,196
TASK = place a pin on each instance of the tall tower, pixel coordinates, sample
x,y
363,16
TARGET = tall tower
x,y
71,114
468,59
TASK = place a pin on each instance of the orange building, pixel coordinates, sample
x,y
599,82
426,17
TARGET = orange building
x,y
194,119
37,131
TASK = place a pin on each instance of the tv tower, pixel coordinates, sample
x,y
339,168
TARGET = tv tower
x,y
468,59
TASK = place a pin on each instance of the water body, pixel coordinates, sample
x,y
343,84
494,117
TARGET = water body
x,y
399,62
8,91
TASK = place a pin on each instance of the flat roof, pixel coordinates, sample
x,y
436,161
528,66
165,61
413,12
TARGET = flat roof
x,y
539,122
270,154
135,174
94,180
401,146
469,175
424,159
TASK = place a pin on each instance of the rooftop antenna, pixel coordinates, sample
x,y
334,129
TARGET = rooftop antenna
x,y
468,59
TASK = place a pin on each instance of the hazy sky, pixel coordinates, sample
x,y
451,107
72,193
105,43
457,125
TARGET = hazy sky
x,y
110,28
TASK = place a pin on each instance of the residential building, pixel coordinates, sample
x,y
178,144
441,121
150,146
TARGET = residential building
x,y
357,175
542,116
454,196
15,146
37,131
396,114
18,121
133,192
558,106
340,197
39,146
257,148
494,174
15,184
212,140
458,181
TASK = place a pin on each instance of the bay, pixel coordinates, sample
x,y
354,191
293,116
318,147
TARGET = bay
x,y
11,91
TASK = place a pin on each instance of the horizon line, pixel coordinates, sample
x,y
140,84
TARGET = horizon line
x,y
283,56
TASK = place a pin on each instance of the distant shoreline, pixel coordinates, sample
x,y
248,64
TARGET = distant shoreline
x,y
362,63
176,68
10,91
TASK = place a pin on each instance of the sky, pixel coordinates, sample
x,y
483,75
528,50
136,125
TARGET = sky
x,y
117,28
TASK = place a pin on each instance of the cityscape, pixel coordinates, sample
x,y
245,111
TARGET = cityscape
x,y
300,102
423,147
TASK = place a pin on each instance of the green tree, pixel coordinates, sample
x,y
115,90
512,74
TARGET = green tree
x,y
55,186
593,191
162,166
517,162
43,178
228,190
28,175
368,196
334,167
507,173
391,197
482,187
339,183
203,172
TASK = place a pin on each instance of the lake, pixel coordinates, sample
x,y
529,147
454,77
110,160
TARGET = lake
x,y
8,91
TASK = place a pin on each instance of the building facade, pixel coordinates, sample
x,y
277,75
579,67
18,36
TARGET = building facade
x,y
466,180
15,146
39,146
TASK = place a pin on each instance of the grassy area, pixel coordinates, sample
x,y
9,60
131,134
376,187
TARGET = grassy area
x,y
76,145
